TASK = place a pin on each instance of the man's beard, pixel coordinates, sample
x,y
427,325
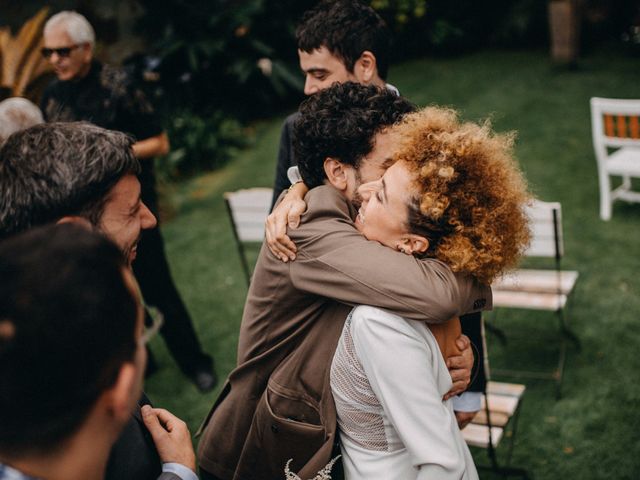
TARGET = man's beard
x,y
356,199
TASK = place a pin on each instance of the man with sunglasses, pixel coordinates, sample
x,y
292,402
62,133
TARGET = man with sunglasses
x,y
104,95
91,181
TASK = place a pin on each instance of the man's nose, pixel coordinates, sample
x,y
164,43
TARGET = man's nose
x,y
147,219
310,86
365,190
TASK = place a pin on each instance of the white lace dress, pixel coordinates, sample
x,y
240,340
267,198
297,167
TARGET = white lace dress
x,y
388,378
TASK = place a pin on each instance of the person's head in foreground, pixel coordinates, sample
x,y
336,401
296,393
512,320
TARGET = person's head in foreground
x,y
340,41
16,114
68,45
341,136
72,172
454,193
71,351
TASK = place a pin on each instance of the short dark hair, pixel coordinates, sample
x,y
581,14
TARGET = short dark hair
x,y
347,28
67,324
52,170
341,122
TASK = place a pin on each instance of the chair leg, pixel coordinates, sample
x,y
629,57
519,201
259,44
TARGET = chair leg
x,y
506,472
559,373
605,196
514,431
567,332
498,332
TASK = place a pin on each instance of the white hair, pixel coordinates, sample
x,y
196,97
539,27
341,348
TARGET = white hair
x,y
17,114
76,26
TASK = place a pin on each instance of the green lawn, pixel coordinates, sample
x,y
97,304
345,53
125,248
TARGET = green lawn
x,y
592,432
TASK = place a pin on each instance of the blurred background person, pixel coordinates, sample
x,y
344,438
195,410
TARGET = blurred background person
x,y
17,113
85,89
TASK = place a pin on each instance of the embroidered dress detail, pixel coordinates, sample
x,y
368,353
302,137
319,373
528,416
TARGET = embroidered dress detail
x,y
361,413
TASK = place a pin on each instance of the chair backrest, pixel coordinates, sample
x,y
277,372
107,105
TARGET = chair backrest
x,y
546,230
615,123
248,210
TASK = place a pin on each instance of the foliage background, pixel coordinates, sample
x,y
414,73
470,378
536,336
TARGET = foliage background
x,y
220,64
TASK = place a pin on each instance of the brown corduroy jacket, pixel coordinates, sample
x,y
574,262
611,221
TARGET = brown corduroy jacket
x,y
276,404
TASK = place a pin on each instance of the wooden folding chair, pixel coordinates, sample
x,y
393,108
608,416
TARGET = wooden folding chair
x,y
615,125
546,290
248,210
497,419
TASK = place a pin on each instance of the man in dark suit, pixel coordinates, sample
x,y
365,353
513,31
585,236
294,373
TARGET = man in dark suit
x,y
83,174
338,41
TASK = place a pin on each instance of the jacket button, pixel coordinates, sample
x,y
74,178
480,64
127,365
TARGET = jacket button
x,y
274,428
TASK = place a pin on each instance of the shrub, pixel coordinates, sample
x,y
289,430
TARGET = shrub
x,y
201,143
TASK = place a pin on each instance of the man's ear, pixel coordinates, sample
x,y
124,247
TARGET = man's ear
x,y
336,173
366,68
414,244
87,52
120,399
76,220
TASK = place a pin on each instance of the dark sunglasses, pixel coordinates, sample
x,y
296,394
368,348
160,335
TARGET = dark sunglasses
x,y
63,52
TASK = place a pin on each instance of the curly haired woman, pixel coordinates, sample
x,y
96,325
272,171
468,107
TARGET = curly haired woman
x,y
454,194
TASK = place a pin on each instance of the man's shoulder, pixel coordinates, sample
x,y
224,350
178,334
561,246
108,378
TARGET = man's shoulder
x,y
115,79
326,202
290,121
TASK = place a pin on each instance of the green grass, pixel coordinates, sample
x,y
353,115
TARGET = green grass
x,y
592,432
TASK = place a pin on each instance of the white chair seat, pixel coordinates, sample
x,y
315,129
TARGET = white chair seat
x,y
625,161
537,281
534,289
529,300
503,399
478,435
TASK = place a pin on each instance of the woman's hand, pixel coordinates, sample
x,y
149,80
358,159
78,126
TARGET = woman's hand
x,y
286,213
464,418
460,367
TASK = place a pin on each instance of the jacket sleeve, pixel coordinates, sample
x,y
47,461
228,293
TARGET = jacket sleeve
x,y
176,471
169,476
336,261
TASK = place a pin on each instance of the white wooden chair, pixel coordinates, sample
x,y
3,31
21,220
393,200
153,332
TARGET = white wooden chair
x,y
541,289
248,210
615,124
497,419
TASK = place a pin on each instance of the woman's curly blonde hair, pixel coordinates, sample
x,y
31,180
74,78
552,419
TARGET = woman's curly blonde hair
x,y
471,194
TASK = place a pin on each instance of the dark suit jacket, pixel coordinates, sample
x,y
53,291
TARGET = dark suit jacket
x,y
286,157
277,403
134,455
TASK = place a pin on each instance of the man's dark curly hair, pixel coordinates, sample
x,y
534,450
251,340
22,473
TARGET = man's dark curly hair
x,y
341,122
347,28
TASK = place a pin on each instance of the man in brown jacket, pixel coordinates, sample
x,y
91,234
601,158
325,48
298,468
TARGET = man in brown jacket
x,y
277,404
